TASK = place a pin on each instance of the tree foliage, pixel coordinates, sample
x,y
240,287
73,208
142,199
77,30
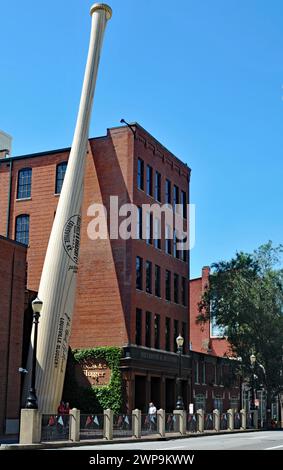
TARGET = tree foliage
x,y
245,298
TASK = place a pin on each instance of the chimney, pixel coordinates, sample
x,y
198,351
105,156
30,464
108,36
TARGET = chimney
x,y
205,277
5,145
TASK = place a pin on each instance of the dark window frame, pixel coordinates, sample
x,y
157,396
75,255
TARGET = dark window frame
x,y
138,338
22,236
168,285
157,331
24,183
157,186
140,174
168,334
149,180
148,320
148,277
60,175
139,273
157,281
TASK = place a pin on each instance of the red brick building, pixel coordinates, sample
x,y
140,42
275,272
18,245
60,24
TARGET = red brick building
x,y
204,337
12,307
130,293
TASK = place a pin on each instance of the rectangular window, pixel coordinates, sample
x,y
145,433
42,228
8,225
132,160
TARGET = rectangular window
x,y
24,183
168,334
176,288
138,326
139,272
168,240
148,277
216,331
149,180
176,252
196,372
203,373
140,174
157,331
139,223
176,334
167,285
168,192
157,233
175,196
157,281
184,203
174,244
148,329
184,291
60,175
149,223
158,186
22,229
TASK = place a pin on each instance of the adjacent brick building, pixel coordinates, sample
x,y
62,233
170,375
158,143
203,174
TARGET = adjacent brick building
x,y
12,307
204,337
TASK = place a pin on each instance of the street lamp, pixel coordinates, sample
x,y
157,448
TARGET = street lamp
x,y
31,402
253,361
179,403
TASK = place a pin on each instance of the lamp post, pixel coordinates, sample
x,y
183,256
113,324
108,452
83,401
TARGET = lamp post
x,y
31,402
179,403
253,361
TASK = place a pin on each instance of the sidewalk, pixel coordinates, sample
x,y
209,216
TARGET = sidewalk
x,y
101,442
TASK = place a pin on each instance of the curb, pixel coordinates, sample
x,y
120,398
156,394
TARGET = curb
x,y
99,442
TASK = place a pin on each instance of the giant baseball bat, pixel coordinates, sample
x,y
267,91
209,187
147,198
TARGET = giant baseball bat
x,y
58,279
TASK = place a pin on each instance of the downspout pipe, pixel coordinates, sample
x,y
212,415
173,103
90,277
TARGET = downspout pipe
x,y
9,199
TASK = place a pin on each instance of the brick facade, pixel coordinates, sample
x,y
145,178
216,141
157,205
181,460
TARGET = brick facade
x,y
12,306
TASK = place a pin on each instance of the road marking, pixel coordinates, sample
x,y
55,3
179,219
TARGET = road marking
x,y
169,448
275,447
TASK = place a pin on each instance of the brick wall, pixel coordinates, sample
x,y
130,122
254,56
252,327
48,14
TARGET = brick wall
x,y
12,301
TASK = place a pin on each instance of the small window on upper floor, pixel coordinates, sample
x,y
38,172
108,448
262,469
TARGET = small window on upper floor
x,y
24,183
60,175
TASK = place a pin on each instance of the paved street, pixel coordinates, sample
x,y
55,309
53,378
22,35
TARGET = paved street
x,y
265,440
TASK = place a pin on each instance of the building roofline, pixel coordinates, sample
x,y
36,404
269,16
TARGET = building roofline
x,y
38,154
68,149
9,240
136,124
195,279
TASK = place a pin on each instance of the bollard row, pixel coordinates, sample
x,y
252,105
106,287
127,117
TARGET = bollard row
x,y
36,428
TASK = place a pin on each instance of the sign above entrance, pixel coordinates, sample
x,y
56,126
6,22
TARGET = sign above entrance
x,y
95,373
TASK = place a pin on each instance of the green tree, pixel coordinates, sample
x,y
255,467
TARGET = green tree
x,y
245,299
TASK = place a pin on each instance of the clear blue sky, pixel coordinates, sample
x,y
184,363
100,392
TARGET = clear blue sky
x,y
204,77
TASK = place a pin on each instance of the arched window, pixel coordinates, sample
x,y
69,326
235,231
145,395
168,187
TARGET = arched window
x,y
24,183
60,175
22,229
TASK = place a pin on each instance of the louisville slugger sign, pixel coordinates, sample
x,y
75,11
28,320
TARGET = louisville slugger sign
x,y
58,279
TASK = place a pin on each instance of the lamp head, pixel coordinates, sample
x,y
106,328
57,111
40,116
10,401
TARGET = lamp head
x,y
37,305
252,359
180,341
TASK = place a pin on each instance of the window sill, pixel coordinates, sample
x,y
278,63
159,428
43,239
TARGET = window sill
x,y
23,199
